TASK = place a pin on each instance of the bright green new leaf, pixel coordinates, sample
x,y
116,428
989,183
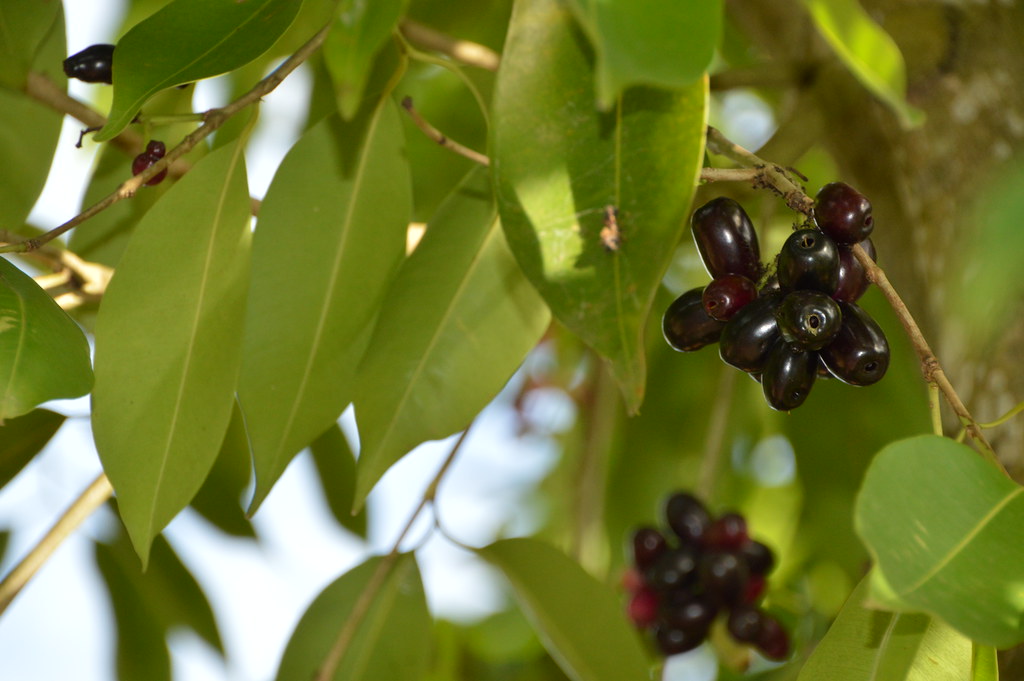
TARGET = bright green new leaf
x,y
24,27
23,437
944,526
336,465
639,42
560,164
189,40
358,33
985,664
330,237
872,645
456,323
579,620
390,641
43,353
868,51
168,344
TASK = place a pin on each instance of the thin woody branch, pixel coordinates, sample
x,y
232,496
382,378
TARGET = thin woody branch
x,y
469,53
442,139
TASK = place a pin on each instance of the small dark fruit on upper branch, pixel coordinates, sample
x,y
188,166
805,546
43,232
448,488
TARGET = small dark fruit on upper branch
x,y
843,213
726,239
155,151
92,65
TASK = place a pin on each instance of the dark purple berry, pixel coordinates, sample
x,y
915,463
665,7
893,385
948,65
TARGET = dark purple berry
x,y
724,576
853,278
674,569
686,326
726,239
687,517
745,624
144,161
809,260
648,545
672,640
809,320
728,531
755,589
843,213
859,354
788,376
759,557
726,295
643,608
92,65
688,612
156,149
772,640
748,337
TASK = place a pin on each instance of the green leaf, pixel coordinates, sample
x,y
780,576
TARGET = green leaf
x,y
22,438
638,42
24,27
457,321
559,162
868,51
43,353
580,621
871,645
390,642
219,500
330,237
985,664
943,526
189,40
336,465
168,344
359,31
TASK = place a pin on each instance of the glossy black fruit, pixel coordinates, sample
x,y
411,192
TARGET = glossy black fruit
x,y
808,320
853,278
759,557
788,376
648,546
688,611
687,517
859,354
726,295
723,576
750,335
686,326
726,239
809,260
674,569
673,640
745,624
843,213
772,639
92,65
728,531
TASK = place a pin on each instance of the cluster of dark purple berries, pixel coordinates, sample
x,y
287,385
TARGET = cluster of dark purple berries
x,y
155,151
801,322
679,584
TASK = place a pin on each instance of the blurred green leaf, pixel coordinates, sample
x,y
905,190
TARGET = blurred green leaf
x,y
457,322
579,620
189,40
985,665
868,51
336,465
168,344
43,353
359,31
219,500
871,645
558,163
638,42
23,437
330,237
25,25
960,561
391,641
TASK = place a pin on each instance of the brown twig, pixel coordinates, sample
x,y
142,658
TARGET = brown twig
x,y
213,120
754,175
469,53
439,137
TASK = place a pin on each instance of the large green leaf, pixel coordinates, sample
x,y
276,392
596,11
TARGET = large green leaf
x,y
391,641
985,664
559,162
455,324
168,344
23,437
868,51
336,465
219,500
43,353
189,40
638,42
871,645
330,237
944,528
359,31
24,27
579,620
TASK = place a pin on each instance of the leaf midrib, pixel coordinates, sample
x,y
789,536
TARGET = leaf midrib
x,y
17,353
